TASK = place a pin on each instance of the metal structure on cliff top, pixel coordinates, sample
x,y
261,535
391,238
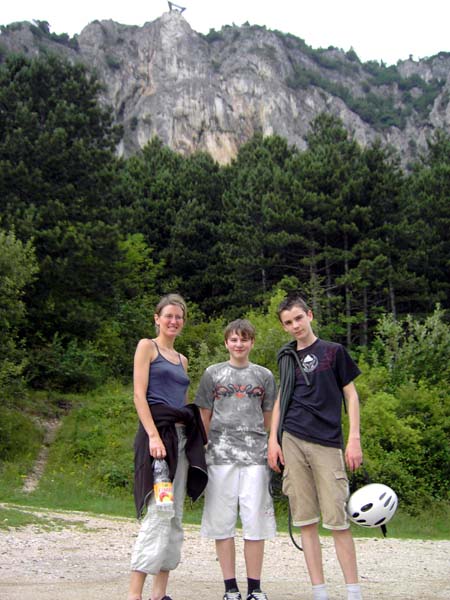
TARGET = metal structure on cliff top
x,y
176,7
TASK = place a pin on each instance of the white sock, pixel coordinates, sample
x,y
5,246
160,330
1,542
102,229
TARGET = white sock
x,y
353,591
320,592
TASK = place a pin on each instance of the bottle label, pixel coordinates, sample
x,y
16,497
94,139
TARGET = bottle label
x,y
163,493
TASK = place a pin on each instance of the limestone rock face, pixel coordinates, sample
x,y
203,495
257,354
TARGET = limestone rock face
x,y
212,93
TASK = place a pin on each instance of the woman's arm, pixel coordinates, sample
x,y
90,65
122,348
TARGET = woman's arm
x,y
144,355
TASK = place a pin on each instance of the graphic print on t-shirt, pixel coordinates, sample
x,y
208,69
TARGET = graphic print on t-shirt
x,y
309,362
232,389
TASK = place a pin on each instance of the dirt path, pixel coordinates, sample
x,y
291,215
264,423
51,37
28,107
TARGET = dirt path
x,y
76,556
51,427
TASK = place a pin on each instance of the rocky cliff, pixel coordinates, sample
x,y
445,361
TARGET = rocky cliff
x,y
213,92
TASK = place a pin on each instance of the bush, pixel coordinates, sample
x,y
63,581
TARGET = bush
x,y
413,350
117,474
405,434
75,366
118,337
20,436
214,36
405,408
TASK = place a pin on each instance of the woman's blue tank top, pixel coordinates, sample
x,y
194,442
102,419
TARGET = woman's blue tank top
x,y
167,382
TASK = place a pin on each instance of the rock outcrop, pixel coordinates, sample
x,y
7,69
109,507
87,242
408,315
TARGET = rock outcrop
x,y
213,92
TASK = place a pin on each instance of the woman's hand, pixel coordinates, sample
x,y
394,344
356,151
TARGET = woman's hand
x,y
156,447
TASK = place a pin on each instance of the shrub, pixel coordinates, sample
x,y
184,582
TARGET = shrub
x,y
117,473
113,62
413,350
19,435
214,36
405,432
75,366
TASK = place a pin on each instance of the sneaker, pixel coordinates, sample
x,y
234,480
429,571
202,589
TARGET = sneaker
x,y
232,595
257,595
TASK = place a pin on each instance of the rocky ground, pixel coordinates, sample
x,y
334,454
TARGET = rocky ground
x,y
76,556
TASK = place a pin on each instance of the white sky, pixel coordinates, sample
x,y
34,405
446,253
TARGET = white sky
x,y
387,30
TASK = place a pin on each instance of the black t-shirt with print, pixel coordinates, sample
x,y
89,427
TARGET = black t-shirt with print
x,y
314,413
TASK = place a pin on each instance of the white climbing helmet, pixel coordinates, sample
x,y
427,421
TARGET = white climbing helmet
x,y
372,505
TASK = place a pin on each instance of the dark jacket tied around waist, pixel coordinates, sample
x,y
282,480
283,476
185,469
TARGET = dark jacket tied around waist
x,y
165,418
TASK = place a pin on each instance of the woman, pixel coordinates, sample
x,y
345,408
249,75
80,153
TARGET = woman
x,y
169,428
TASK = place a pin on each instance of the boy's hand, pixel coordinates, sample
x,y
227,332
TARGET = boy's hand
x,y
275,456
353,454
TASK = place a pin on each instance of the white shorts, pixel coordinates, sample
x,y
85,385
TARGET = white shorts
x,y
233,488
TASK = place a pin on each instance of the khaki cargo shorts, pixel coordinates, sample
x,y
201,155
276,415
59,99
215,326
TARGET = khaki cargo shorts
x,y
316,483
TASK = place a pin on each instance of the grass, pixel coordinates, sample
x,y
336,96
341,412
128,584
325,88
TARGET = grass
x,y
69,498
90,468
432,525
435,526
16,517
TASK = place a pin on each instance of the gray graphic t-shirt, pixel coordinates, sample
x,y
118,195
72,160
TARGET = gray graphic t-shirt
x,y
237,398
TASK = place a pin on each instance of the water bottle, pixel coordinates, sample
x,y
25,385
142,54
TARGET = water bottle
x,y
162,487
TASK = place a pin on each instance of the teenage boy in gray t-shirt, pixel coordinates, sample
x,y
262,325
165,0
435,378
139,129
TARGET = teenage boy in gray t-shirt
x,y
236,398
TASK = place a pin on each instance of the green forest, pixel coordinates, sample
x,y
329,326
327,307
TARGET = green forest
x,y
89,241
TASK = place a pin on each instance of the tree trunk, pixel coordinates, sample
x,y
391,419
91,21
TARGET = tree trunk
x,y
392,299
313,280
263,274
365,323
348,309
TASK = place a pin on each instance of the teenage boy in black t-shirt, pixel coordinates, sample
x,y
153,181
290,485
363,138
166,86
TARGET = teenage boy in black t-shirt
x,y
306,438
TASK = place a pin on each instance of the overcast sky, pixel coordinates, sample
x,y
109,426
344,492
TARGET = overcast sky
x,y
387,30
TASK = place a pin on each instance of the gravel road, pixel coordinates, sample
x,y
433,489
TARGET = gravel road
x,y
76,556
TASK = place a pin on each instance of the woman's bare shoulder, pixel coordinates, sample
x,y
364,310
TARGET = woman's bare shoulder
x,y
146,347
